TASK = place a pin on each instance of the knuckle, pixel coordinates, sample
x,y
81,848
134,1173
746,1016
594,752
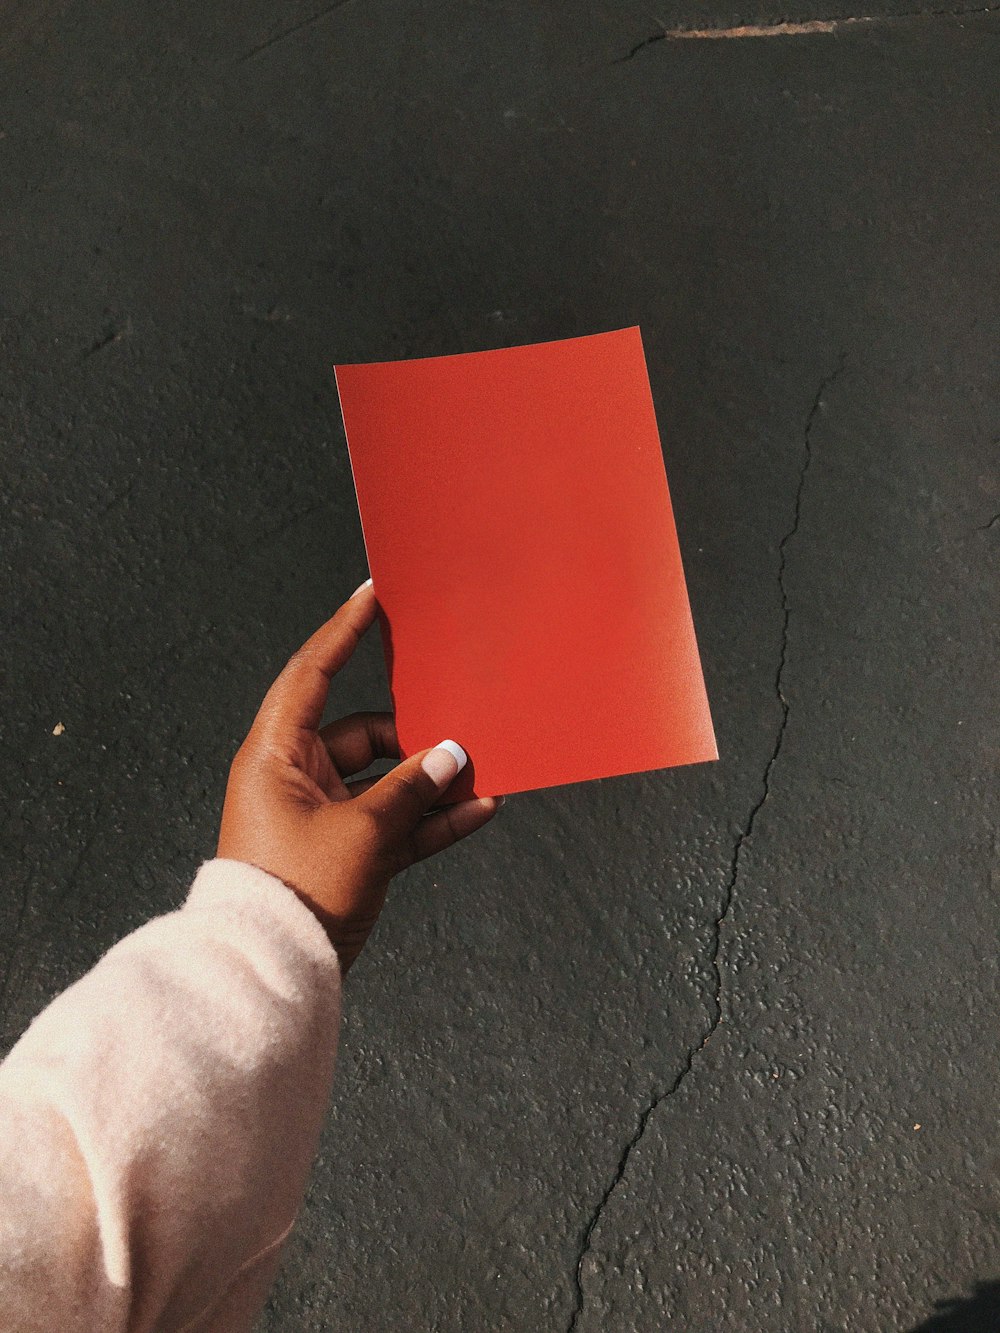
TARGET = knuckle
x,y
242,757
372,826
246,761
413,784
298,658
384,847
373,819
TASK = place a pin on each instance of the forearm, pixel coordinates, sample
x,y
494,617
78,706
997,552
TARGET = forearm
x,y
158,1120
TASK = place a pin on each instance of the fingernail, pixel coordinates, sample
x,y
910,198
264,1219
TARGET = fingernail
x,y
443,762
366,584
501,800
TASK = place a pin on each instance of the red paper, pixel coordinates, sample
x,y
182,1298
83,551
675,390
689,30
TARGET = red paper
x,y
522,548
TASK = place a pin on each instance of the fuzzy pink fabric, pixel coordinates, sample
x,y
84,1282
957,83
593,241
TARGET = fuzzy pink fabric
x,y
159,1119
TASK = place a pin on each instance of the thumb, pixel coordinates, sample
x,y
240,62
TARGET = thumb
x,y
402,796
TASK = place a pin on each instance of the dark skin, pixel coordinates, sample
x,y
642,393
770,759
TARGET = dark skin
x,y
292,808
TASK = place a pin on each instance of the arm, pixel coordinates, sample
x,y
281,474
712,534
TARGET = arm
x,y
158,1120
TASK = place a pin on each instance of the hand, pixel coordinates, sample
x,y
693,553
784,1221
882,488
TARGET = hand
x,y
290,811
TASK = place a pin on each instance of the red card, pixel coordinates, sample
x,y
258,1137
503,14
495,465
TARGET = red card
x,y
522,548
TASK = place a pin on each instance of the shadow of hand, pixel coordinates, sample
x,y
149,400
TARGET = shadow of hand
x,y
979,1313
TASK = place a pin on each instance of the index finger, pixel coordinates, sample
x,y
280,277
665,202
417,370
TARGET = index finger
x,y
297,698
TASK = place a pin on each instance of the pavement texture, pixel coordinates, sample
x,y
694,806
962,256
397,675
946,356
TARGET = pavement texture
x,y
711,1049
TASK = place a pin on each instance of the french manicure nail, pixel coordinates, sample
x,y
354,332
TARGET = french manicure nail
x,y
443,762
366,584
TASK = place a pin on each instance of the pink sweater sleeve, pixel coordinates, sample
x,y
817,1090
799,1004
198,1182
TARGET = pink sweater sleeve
x,y
159,1119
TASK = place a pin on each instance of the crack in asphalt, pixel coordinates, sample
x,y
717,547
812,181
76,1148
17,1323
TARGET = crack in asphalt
x,y
732,881
797,28
290,32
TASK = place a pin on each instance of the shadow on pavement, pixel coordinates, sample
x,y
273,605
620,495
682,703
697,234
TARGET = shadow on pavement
x,y
979,1313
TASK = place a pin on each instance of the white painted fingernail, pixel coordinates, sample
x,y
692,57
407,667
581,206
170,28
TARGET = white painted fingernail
x,y
443,762
366,584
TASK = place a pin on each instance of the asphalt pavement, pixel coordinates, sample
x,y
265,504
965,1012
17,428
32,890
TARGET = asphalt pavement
x,y
711,1050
